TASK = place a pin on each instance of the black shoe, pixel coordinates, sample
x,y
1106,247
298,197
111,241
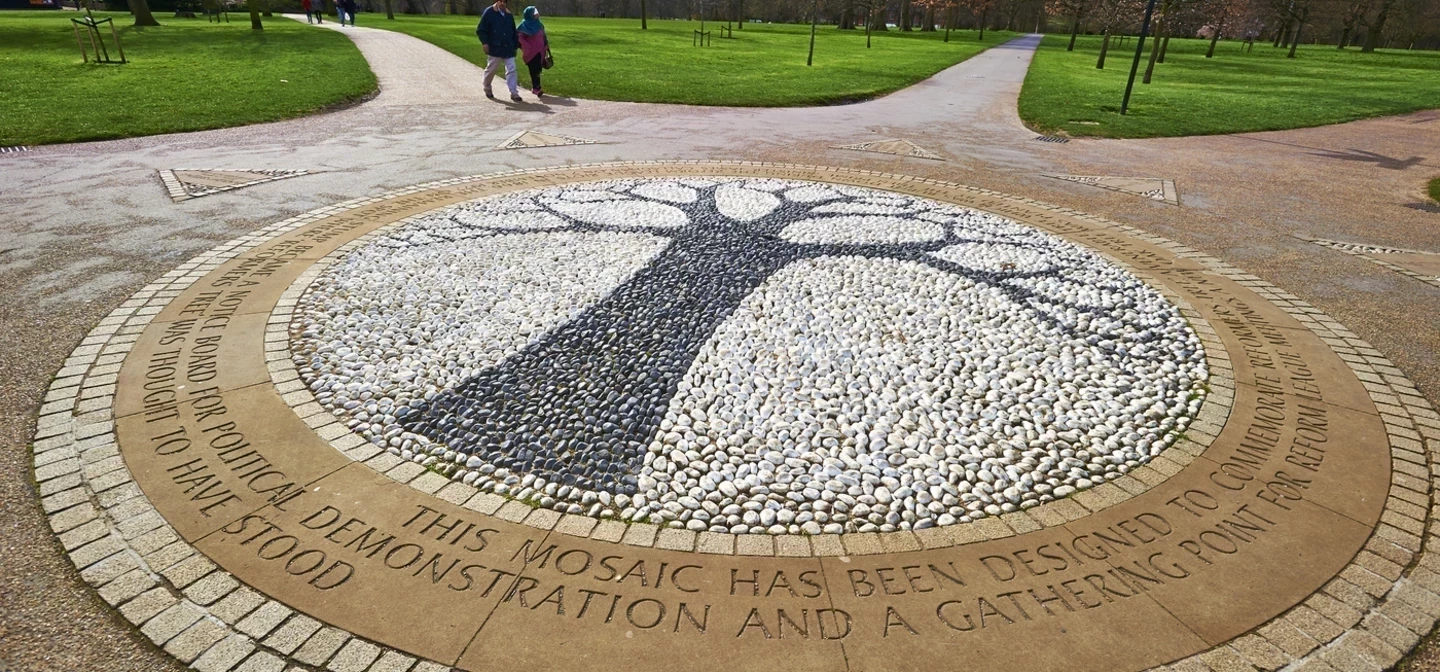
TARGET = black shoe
x,y
516,97
490,94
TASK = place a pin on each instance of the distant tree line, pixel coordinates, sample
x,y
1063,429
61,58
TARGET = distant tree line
x,y
1365,25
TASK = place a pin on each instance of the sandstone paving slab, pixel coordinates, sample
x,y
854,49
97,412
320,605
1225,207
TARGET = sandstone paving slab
x,y
207,352
984,602
590,600
1324,454
1217,558
213,460
439,569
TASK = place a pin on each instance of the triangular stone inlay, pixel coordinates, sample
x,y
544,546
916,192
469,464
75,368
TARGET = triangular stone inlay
x,y
893,146
1423,265
1152,188
185,184
525,139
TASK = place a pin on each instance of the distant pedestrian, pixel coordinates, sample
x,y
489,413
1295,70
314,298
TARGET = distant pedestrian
x,y
351,9
535,45
318,6
499,40
305,7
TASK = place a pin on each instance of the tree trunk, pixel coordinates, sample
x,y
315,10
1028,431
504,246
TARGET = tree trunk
x,y
905,17
1154,51
814,20
1344,37
868,12
1074,33
949,21
1104,49
1372,36
254,7
847,16
1164,47
929,19
1299,26
643,20
1210,53
983,14
141,10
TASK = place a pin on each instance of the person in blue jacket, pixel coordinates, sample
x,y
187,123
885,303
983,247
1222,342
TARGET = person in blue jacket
x,y
500,42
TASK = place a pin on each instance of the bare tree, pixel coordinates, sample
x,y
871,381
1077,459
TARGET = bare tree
x,y
1220,12
1300,19
1352,12
1375,24
1155,45
1076,10
1113,14
981,9
869,8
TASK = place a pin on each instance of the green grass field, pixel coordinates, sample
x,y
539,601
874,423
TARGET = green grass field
x,y
1230,93
1435,190
185,75
763,66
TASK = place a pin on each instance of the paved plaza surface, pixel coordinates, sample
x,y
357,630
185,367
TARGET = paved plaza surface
x,y
1286,294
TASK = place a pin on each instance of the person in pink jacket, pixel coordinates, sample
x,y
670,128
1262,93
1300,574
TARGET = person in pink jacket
x,y
535,46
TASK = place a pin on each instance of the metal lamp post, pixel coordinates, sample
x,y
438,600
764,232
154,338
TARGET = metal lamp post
x,y
1139,48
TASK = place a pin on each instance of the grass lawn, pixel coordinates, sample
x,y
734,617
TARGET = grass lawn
x,y
1230,93
1435,189
185,75
763,66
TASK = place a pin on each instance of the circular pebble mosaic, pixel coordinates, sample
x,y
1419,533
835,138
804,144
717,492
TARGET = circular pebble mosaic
x,y
748,356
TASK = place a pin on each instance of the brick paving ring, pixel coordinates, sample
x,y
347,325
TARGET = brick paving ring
x,y
716,415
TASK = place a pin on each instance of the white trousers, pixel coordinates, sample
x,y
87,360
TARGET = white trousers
x,y
492,64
